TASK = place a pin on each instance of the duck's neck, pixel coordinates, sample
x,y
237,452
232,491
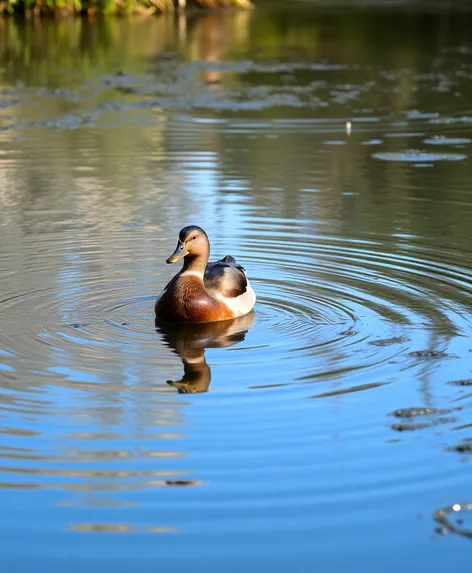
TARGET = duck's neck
x,y
196,264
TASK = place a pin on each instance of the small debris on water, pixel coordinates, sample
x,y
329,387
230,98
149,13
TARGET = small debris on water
x,y
466,382
428,354
448,520
389,341
464,447
412,412
409,427
348,332
418,156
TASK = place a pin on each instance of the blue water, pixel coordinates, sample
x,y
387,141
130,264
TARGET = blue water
x,y
331,428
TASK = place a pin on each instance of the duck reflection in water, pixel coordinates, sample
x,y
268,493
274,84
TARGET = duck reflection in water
x,y
190,340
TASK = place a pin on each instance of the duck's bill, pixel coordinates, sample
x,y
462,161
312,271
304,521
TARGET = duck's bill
x,y
178,254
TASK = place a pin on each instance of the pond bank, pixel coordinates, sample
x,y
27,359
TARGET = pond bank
x,y
30,8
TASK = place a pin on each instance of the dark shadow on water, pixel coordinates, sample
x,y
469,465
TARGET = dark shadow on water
x,y
190,341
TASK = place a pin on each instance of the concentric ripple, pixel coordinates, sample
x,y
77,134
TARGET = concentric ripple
x,y
326,305
335,316
337,412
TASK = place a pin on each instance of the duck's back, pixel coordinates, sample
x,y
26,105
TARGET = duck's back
x,y
226,281
225,278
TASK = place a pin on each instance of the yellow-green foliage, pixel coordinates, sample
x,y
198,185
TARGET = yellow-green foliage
x,y
52,7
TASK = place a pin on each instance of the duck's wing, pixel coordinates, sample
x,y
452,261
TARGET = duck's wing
x,y
225,278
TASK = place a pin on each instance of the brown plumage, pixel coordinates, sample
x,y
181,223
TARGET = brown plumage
x,y
202,291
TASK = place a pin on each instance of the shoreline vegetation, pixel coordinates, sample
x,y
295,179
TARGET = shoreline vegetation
x,y
54,8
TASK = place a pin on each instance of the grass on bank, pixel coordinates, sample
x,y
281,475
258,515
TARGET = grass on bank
x,y
57,7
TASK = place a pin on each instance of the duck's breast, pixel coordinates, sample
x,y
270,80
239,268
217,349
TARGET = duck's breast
x,y
187,300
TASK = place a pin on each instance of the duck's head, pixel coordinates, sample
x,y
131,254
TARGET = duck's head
x,y
192,241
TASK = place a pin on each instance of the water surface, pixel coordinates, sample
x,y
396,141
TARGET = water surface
x,y
329,151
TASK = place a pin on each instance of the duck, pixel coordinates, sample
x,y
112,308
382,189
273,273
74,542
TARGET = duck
x,y
203,291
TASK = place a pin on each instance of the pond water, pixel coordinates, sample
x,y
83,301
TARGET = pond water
x,y
329,151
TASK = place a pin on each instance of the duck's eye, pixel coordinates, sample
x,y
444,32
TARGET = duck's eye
x,y
194,238
181,247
